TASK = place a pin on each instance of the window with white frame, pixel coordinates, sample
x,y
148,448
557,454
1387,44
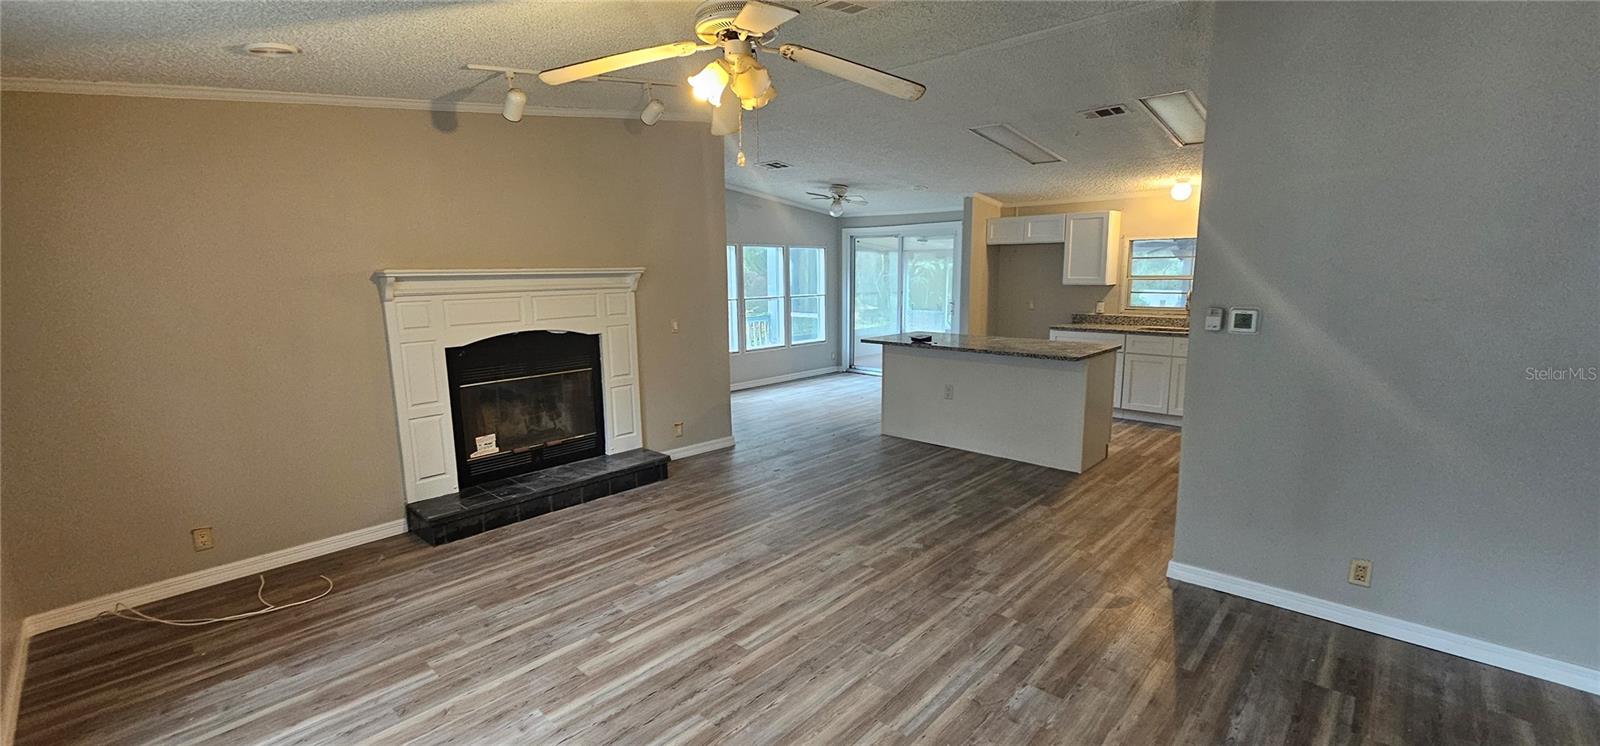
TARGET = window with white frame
x,y
1160,274
777,296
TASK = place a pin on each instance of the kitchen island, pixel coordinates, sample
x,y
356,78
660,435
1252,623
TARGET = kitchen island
x,y
1033,400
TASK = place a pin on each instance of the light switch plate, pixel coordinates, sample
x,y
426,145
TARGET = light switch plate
x,y
1214,319
1244,320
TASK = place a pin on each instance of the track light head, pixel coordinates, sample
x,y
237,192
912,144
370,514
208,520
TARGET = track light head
x,y
652,111
516,99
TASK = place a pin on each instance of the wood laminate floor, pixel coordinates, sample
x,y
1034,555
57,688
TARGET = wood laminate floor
x,y
818,584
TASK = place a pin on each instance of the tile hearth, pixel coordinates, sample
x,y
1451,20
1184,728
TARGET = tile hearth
x,y
490,505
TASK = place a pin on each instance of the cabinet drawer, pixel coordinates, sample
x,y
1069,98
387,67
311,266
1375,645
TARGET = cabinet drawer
x,y
1180,347
1065,335
1144,345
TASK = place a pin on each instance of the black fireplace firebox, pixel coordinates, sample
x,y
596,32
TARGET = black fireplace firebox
x,y
523,402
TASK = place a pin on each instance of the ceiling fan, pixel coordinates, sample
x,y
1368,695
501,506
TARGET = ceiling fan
x,y
737,81
839,195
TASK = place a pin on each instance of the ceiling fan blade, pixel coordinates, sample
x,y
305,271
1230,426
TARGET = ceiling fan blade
x,y
759,18
854,72
854,200
814,195
614,62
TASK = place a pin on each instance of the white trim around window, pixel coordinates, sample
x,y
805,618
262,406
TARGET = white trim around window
x,y
1129,277
789,307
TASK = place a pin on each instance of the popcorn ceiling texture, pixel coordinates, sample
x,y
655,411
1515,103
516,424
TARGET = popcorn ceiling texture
x,y
1031,64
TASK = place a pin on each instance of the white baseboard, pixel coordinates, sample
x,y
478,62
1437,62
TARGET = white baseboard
x,y
785,378
699,448
1471,648
13,692
1159,419
74,613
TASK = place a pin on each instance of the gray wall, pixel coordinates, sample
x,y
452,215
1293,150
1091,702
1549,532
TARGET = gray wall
x,y
879,221
757,220
1409,193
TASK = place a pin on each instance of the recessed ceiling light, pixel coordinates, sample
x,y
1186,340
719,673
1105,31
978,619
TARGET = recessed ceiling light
x,y
1017,143
271,49
1180,114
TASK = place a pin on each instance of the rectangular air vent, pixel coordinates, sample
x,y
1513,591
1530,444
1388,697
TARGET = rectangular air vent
x,y
774,165
1104,111
841,6
1016,143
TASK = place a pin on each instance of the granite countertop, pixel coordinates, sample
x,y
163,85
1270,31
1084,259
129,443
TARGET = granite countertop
x,y
1176,331
1042,349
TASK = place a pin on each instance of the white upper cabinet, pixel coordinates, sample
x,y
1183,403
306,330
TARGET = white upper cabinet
x,y
1008,230
1028,229
1091,256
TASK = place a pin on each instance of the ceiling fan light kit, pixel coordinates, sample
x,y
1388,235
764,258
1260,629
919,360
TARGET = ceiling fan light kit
x,y
737,81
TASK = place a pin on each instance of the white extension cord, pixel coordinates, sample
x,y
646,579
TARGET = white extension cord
x,y
132,614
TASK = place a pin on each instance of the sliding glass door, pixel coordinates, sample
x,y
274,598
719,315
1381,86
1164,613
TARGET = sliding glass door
x,y
902,280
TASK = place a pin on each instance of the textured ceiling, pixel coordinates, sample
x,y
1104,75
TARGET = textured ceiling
x,y
1030,64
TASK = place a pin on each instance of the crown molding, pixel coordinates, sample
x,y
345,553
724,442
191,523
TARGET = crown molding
x,y
204,93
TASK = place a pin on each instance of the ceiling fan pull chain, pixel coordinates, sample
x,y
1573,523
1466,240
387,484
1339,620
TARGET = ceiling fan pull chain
x,y
741,139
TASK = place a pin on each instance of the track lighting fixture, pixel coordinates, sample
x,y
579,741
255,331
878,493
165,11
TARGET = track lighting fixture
x,y
516,100
653,108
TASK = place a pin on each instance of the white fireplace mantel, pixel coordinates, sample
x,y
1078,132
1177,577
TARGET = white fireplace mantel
x,y
427,311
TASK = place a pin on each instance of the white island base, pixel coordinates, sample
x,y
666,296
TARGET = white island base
x,y
1050,412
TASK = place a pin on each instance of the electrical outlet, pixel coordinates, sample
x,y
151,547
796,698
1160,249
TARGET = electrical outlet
x,y
203,539
1030,304
1100,307
949,391
1361,573
677,429
674,326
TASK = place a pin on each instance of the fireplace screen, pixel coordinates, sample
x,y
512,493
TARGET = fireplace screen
x,y
524,401
535,411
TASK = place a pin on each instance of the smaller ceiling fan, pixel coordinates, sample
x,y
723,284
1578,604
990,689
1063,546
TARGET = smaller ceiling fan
x,y
839,195
736,80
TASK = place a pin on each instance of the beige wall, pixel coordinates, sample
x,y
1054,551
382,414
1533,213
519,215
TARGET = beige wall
x,y
758,220
191,337
1019,275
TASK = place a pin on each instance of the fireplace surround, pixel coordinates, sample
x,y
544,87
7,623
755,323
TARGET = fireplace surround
x,y
428,313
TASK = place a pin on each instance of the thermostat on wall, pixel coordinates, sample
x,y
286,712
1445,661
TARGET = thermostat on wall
x,y
1244,320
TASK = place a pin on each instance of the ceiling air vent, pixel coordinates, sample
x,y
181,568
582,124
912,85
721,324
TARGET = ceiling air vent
x,y
1104,111
842,6
774,165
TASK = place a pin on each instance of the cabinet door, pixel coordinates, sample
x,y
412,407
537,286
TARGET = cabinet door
x,y
1086,257
1046,228
1116,396
1146,382
1180,367
1008,230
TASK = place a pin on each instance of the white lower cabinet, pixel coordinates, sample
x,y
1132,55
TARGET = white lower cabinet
x,y
1150,369
1180,366
1146,382
1116,393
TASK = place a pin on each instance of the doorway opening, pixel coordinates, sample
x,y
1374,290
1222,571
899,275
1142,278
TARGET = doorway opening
x,y
902,279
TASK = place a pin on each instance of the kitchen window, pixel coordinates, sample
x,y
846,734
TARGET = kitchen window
x,y
1160,274
777,296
